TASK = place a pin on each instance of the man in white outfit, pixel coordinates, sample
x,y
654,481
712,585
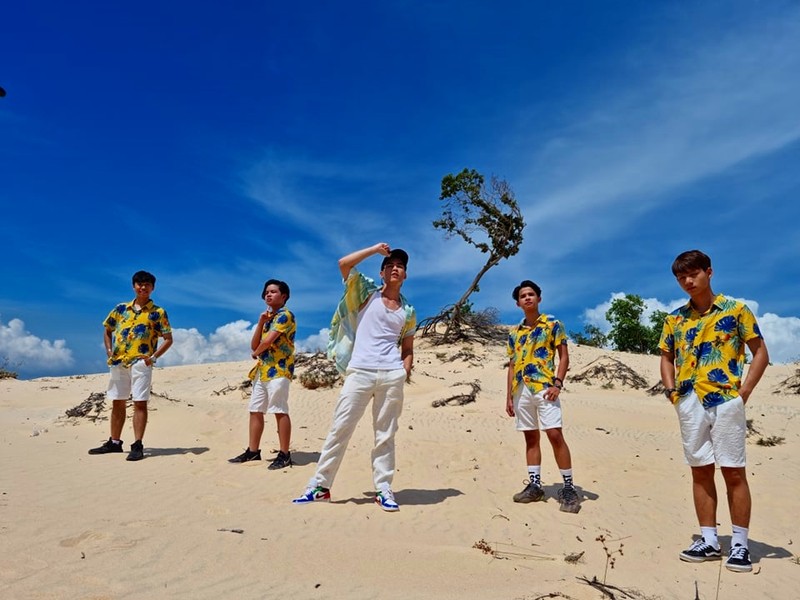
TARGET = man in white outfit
x,y
372,341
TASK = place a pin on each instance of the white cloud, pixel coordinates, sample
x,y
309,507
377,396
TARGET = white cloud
x,y
230,342
782,334
314,343
22,348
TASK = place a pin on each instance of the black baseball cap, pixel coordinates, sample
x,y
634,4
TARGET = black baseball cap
x,y
397,253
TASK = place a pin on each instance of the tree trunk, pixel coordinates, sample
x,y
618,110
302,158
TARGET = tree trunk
x,y
454,322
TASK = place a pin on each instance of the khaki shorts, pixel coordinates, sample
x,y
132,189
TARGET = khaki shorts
x,y
534,412
133,381
712,435
271,396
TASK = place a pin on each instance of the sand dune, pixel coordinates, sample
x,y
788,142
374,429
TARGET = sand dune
x,y
95,527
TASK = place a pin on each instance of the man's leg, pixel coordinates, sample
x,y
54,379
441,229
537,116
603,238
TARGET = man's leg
x,y
560,448
533,450
256,429
284,424
739,500
356,393
139,419
387,406
118,414
704,493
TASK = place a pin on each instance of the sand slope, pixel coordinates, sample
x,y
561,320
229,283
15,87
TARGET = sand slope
x,y
95,527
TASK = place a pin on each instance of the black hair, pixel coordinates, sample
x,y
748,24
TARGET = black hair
x,y
282,286
691,260
526,283
143,277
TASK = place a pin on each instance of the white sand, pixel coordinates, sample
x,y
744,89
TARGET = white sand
x,y
80,526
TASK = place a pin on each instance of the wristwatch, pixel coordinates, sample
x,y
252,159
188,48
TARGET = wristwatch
x,y
668,392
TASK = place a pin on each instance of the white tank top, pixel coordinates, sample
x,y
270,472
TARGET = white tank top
x,y
377,333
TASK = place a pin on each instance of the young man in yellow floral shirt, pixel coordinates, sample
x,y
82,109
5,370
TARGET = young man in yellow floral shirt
x,y
702,360
130,336
533,392
273,346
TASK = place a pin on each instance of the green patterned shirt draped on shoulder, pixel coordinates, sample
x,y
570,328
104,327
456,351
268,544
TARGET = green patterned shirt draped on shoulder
x,y
357,289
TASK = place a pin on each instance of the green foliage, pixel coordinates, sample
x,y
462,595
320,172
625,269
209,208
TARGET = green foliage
x,y
5,373
628,333
591,336
470,207
485,216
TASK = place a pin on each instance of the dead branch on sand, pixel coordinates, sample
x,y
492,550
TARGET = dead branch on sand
x,y
91,408
609,371
460,399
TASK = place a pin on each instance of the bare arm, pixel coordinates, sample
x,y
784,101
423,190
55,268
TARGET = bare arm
x,y
667,367
509,387
407,354
757,367
161,350
346,263
553,392
108,341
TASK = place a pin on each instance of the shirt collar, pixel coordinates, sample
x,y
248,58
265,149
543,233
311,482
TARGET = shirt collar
x,y
716,303
149,304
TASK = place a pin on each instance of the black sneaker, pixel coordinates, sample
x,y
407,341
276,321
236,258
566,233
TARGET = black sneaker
x,y
739,560
531,493
137,451
246,456
700,551
569,500
283,460
107,448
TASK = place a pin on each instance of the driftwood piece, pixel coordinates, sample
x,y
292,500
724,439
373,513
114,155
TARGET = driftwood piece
x,y
459,399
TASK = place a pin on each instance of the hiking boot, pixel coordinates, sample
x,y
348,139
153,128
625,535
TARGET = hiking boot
x,y
532,493
385,499
246,456
739,560
569,500
107,448
283,460
313,494
700,551
137,451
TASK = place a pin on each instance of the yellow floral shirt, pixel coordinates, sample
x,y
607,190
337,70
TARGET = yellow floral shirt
x,y
135,333
278,360
709,348
532,351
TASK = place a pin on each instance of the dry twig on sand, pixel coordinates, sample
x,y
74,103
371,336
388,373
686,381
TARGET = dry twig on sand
x,y
460,399
91,408
609,371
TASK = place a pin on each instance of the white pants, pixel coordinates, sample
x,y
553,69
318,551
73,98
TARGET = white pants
x,y
385,388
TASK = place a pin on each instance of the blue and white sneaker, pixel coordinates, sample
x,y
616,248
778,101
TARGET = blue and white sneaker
x,y
700,551
313,494
739,560
385,498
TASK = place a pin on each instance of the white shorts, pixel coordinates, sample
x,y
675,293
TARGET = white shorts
x,y
534,412
130,381
712,435
271,396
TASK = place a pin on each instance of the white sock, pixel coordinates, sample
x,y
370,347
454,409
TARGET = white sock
x,y
118,442
739,536
535,474
710,536
567,475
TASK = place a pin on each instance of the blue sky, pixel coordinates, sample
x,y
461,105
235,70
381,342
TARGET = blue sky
x,y
220,144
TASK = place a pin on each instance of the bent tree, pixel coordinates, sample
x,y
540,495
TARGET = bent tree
x,y
487,217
